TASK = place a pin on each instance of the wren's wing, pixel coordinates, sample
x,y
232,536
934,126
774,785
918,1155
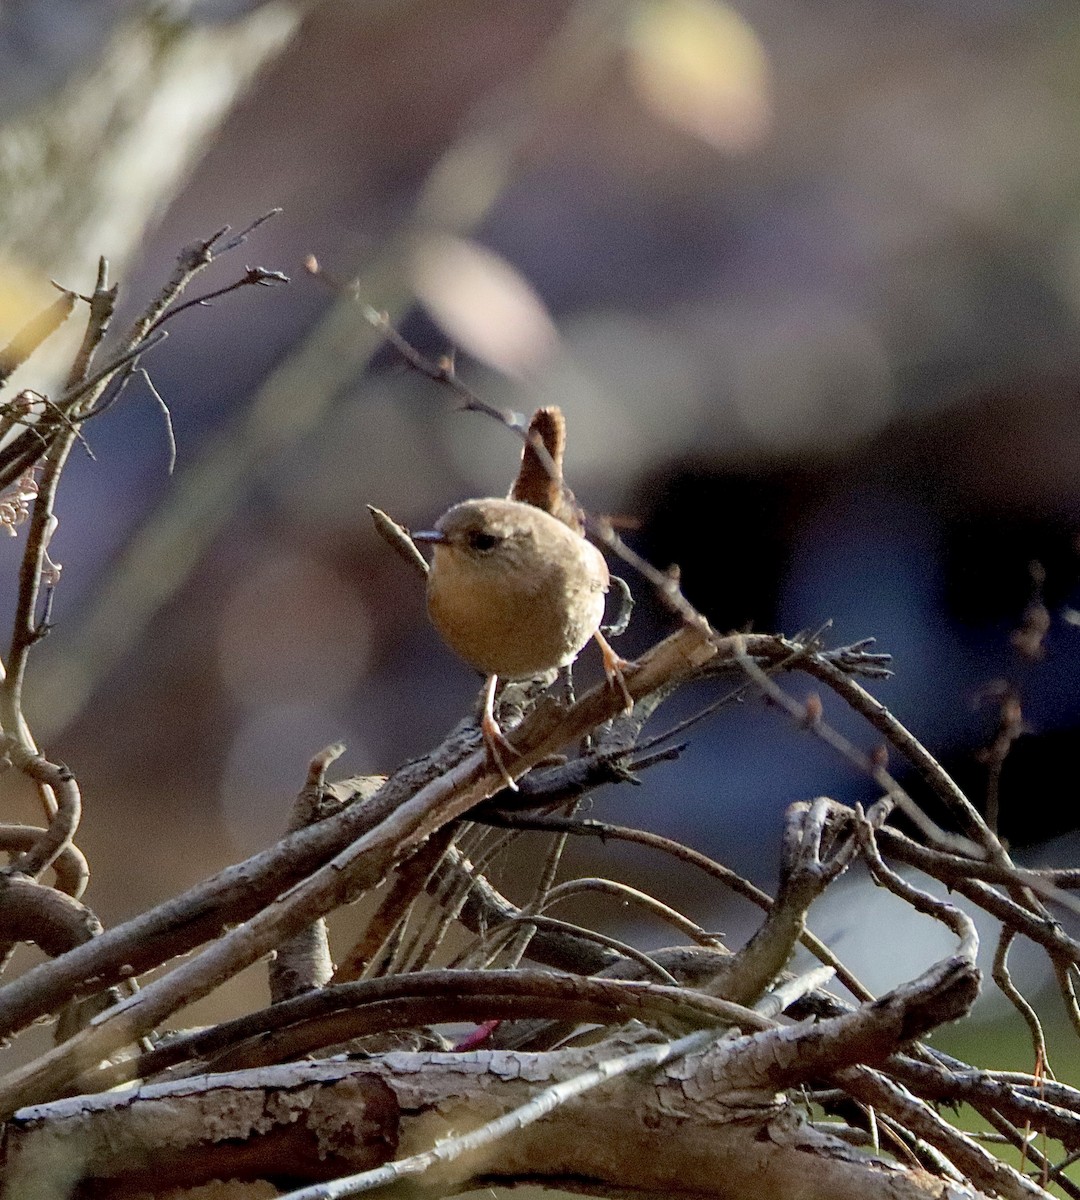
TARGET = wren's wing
x,y
540,477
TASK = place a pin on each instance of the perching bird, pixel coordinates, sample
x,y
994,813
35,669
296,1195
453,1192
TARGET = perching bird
x,y
514,587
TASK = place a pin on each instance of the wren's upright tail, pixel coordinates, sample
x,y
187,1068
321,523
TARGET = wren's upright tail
x,y
540,483
540,477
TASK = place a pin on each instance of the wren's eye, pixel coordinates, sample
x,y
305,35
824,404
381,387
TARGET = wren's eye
x,y
482,542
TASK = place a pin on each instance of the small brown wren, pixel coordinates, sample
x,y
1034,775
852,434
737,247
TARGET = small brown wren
x,y
514,587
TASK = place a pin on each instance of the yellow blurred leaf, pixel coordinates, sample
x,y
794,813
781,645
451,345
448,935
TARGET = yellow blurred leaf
x,y
700,65
22,296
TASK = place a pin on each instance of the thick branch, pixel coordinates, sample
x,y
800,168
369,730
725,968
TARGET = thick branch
x,y
680,1133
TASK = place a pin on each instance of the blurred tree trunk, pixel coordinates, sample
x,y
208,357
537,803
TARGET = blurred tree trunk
x,y
86,169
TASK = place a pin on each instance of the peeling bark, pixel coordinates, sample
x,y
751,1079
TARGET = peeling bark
x,y
681,1134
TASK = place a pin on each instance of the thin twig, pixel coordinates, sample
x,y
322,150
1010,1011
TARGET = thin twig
x,y
949,915
510,925
541,894
408,884
1016,998
1064,973
665,583
399,541
943,785
26,629
457,885
573,888
169,434
809,716
731,879
191,260
252,277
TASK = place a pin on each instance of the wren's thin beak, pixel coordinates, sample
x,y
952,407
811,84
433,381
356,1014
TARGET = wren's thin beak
x,y
429,535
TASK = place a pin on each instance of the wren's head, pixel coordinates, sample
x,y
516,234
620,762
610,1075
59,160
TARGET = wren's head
x,y
496,536
512,589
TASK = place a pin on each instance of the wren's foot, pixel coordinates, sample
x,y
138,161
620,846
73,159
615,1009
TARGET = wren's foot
x,y
615,668
494,739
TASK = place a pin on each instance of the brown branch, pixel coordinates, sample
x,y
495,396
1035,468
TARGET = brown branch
x,y
318,1120
408,809
410,881
410,815
741,887
945,1084
302,963
70,867
342,1012
55,840
982,1168
32,912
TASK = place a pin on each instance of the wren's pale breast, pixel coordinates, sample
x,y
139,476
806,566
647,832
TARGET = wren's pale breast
x,y
512,589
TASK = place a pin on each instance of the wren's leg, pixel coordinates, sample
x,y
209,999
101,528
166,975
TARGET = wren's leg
x,y
615,669
496,743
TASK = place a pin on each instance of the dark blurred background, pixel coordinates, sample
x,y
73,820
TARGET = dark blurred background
x,y
805,279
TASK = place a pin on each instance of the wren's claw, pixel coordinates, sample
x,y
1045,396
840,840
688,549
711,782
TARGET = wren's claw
x,y
615,669
497,746
494,739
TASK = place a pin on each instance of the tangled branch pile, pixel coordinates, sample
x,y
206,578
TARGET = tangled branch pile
x,y
701,1070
